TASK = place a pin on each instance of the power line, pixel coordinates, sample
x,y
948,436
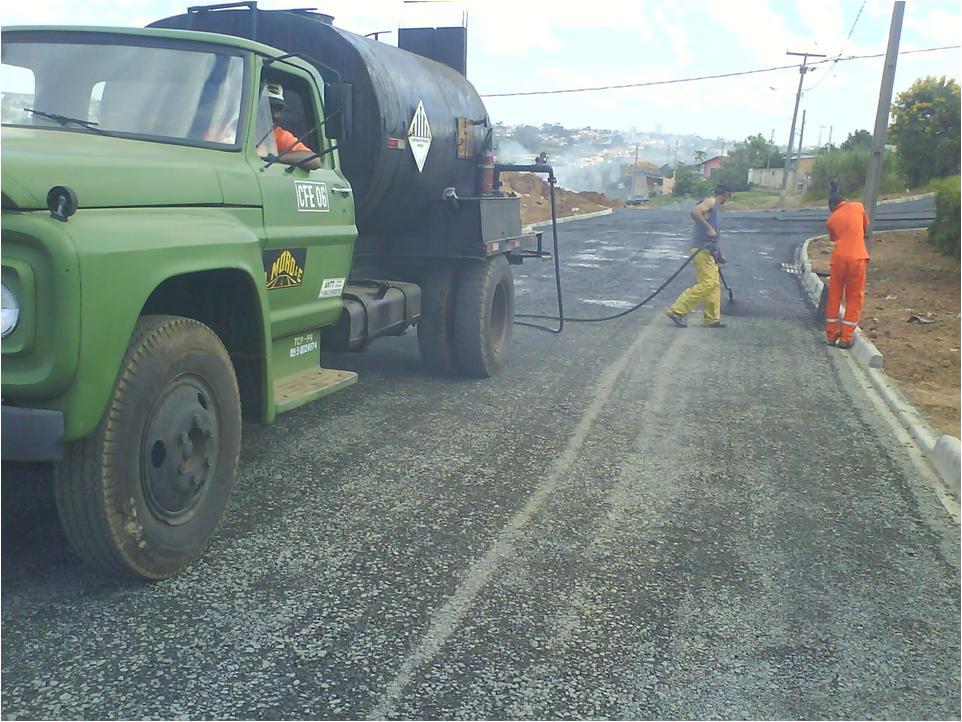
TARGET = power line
x,y
707,77
847,38
852,29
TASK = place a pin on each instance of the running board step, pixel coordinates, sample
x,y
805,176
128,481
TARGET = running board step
x,y
310,385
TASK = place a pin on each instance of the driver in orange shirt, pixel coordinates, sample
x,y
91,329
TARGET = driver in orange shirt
x,y
289,149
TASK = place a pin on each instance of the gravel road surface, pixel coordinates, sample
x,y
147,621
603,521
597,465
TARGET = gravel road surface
x,y
635,521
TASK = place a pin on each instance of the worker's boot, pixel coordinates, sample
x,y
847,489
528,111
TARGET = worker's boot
x,y
677,318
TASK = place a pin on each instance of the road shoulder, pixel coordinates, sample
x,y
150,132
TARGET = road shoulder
x,y
943,452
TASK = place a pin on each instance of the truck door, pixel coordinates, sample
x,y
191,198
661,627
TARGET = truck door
x,y
308,214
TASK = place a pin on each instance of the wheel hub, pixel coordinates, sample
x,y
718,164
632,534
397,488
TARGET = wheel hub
x,y
180,447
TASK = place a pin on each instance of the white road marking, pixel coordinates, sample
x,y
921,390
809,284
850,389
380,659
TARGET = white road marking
x,y
447,619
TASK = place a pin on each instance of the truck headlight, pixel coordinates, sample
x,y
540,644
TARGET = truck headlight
x,y
11,312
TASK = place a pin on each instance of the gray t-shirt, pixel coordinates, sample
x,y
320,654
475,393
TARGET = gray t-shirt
x,y
699,236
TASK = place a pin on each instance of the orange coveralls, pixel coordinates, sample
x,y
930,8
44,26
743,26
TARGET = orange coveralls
x,y
847,227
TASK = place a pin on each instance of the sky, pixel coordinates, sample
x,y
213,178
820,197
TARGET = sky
x,y
518,46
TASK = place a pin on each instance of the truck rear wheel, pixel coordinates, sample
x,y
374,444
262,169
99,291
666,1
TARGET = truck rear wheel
x,y
436,326
143,494
484,316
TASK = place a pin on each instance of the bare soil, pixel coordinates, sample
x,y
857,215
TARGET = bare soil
x,y
536,198
912,316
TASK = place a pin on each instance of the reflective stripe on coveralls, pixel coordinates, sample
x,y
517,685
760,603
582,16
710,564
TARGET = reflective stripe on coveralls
x,y
707,290
848,278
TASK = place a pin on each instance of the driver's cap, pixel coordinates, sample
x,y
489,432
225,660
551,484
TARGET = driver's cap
x,y
275,93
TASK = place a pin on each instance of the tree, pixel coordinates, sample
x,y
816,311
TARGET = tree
x,y
926,129
689,183
754,152
858,139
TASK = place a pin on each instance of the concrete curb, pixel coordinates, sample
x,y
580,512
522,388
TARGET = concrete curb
x,y
944,452
822,205
542,224
908,198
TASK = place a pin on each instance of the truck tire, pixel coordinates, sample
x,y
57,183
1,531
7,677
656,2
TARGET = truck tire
x,y
436,326
143,494
484,316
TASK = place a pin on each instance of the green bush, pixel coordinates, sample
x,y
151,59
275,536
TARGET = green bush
x,y
850,168
944,231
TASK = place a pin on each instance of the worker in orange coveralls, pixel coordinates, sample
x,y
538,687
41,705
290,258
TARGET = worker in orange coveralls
x,y
848,228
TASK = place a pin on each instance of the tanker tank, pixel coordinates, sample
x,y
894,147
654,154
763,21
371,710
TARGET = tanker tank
x,y
387,86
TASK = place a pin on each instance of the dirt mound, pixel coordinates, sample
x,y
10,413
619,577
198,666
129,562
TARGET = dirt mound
x,y
536,198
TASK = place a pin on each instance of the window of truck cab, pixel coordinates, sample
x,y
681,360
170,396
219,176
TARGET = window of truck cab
x,y
131,86
298,115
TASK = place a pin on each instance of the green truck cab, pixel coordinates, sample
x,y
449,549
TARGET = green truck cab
x,y
167,268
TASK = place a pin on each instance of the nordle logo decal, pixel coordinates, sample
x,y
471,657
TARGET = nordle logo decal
x,y
419,136
284,269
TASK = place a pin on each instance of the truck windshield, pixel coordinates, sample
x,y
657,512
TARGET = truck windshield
x,y
153,93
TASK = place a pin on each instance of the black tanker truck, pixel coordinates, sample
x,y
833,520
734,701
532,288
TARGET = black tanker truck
x,y
173,263
415,142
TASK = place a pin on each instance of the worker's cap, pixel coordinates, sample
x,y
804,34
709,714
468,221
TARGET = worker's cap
x,y
275,93
834,199
723,188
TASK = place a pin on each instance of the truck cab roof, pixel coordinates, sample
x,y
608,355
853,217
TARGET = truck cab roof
x,y
195,36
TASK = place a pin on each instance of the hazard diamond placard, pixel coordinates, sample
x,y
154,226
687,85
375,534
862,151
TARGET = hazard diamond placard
x,y
419,136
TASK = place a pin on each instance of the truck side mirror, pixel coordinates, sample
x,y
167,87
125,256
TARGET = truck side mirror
x,y
339,110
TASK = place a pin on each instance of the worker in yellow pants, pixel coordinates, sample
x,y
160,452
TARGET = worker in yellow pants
x,y
707,291
707,288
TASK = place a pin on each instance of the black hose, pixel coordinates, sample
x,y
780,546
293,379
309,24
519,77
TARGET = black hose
x,y
564,318
560,318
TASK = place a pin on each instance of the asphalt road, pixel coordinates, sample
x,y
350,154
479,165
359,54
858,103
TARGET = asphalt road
x,y
635,521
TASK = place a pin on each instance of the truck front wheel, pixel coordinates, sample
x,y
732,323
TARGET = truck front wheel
x,y
143,494
484,316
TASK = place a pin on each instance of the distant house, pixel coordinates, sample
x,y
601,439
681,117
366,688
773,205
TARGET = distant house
x,y
643,184
771,178
711,166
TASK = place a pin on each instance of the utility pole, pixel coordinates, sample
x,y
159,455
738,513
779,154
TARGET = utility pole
x,y
771,146
876,160
798,155
791,134
634,171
